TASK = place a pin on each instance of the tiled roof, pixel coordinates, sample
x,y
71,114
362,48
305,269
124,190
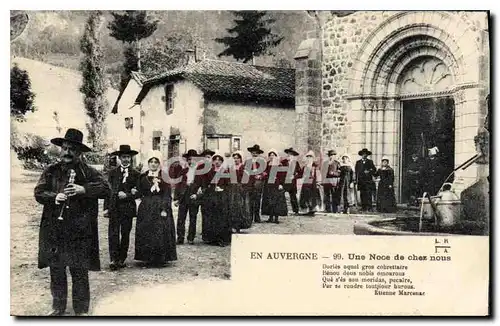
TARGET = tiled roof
x,y
233,80
139,78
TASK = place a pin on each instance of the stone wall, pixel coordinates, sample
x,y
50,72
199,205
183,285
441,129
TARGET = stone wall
x,y
356,108
270,127
342,38
186,118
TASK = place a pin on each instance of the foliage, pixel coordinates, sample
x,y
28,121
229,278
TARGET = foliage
x,y
94,157
130,28
251,36
32,150
166,53
94,80
21,97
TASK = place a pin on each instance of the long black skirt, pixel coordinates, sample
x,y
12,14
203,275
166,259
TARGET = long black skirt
x,y
273,201
155,234
239,207
217,218
386,200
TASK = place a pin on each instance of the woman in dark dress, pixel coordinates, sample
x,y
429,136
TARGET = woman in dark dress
x,y
386,201
309,194
273,194
346,183
216,202
155,228
239,204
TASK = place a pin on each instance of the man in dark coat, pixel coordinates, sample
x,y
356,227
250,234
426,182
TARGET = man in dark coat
x,y
68,229
205,225
294,170
185,197
121,206
414,173
433,172
256,180
365,170
331,187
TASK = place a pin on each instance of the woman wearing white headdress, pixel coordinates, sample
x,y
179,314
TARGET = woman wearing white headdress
x,y
346,183
386,201
155,228
273,194
239,201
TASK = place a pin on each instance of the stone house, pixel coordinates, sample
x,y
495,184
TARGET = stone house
x,y
396,83
219,105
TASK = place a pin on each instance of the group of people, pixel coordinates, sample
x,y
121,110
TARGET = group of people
x,y
231,195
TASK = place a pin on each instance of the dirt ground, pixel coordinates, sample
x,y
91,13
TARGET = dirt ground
x,y
30,292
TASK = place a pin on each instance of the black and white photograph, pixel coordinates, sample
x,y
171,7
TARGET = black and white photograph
x,y
146,144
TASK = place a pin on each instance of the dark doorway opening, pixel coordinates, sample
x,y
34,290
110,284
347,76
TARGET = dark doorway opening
x,y
174,146
428,123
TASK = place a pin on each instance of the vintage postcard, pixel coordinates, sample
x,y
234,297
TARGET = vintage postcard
x,y
250,163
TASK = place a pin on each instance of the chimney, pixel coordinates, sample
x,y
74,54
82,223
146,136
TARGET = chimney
x,y
191,56
199,54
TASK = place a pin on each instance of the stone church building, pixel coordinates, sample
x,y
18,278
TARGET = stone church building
x,y
395,83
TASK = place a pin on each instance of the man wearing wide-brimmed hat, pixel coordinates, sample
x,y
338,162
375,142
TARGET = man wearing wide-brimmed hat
x,y
365,170
185,197
294,170
256,181
121,206
68,230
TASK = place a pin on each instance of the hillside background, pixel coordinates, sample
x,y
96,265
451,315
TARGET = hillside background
x,y
53,36
49,51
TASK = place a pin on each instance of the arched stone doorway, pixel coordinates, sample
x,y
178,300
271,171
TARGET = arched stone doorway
x,y
427,61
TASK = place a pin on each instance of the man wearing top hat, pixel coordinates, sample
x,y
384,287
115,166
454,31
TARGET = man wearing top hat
x,y
292,176
256,180
68,229
364,172
121,206
331,187
186,197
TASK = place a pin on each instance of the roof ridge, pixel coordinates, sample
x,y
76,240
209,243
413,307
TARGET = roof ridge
x,y
242,63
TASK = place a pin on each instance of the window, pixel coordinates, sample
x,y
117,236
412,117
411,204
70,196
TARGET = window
x,y
129,123
223,143
212,144
236,144
156,143
173,146
169,98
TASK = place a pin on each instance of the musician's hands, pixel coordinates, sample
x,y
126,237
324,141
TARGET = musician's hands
x,y
74,189
163,214
61,198
122,195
